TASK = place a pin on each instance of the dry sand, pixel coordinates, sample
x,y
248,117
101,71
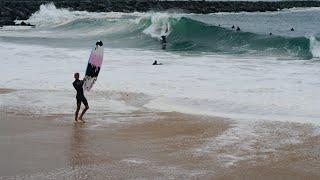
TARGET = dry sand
x,y
153,145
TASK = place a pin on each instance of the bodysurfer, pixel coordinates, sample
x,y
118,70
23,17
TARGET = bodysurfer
x,y
78,85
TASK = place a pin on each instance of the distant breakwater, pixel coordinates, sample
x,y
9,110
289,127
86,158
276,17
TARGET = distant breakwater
x,y
11,10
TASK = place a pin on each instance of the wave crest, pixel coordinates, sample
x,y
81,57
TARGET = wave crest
x,y
144,30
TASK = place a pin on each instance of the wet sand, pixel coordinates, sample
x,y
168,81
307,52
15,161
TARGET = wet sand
x,y
45,147
34,147
4,90
155,145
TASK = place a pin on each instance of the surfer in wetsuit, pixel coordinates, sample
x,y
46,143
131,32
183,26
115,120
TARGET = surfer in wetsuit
x,y
164,39
164,42
78,85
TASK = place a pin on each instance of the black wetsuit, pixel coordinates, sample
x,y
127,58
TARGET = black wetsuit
x,y
78,85
164,42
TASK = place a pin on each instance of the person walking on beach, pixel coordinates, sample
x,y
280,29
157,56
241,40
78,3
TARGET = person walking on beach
x,y
78,85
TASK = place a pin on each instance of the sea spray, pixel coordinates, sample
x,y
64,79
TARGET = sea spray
x,y
314,47
160,24
50,16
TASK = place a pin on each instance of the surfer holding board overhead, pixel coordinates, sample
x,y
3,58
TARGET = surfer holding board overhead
x,y
78,85
92,72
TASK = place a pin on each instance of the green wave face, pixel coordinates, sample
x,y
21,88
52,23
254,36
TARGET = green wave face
x,y
184,33
191,35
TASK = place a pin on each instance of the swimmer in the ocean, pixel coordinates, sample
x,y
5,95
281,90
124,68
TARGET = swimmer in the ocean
x,y
156,63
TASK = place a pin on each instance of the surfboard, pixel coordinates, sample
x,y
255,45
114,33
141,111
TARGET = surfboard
x,y
93,67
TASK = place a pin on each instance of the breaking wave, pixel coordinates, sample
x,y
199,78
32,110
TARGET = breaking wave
x,y
143,30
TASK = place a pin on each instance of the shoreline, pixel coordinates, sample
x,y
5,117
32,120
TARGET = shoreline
x,y
148,144
22,10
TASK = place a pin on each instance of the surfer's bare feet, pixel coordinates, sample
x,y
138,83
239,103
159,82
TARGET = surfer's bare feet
x,y
80,119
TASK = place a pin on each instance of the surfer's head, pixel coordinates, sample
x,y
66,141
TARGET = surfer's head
x,y
76,75
99,43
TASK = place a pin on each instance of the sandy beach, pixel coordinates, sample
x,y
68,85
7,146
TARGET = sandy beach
x,y
153,145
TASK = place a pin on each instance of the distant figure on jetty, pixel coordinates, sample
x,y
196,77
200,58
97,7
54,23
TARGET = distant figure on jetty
x,y
238,29
232,27
156,63
291,29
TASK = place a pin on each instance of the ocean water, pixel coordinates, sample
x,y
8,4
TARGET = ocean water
x,y
208,68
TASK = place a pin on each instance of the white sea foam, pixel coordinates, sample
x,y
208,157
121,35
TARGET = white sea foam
x,y
315,47
160,24
50,16
59,102
240,142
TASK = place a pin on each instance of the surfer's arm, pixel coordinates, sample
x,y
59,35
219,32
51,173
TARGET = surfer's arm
x,y
74,85
82,82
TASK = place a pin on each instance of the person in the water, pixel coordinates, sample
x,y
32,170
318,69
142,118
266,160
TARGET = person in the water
x,y
156,63
100,43
238,29
232,27
291,29
78,86
164,39
164,42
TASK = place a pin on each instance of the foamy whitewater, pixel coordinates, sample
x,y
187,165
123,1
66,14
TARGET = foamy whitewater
x,y
208,68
